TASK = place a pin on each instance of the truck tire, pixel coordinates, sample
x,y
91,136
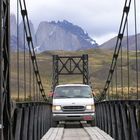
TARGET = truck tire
x,y
54,123
92,123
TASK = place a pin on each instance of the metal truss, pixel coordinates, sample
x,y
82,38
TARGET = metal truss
x,y
70,65
5,117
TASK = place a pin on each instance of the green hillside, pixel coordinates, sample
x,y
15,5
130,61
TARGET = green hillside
x,y
99,64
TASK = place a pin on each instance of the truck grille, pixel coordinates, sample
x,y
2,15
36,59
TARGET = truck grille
x,y
73,108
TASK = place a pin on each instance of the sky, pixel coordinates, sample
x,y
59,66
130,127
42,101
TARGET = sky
x,y
99,18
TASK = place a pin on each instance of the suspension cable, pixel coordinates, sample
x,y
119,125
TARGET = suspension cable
x,y
122,72
30,89
31,47
128,65
108,94
117,47
136,45
33,86
24,65
18,50
112,87
116,79
37,92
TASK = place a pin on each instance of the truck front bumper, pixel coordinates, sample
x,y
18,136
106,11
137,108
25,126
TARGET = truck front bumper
x,y
73,117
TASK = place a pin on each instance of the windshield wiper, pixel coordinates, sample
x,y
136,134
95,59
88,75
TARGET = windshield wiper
x,y
61,97
81,96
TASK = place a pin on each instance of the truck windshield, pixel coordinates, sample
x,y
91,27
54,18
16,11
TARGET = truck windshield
x,y
73,92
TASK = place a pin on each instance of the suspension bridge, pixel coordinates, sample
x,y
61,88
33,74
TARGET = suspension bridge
x,y
26,115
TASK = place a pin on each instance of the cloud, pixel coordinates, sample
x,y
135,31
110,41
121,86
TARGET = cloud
x,y
98,18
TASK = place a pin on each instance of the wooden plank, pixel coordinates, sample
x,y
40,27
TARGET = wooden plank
x,y
31,123
75,134
88,129
54,134
59,134
35,131
97,134
90,133
18,124
107,136
24,133
48,134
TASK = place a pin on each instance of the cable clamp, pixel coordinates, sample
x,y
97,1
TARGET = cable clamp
x,y
24,12
126,9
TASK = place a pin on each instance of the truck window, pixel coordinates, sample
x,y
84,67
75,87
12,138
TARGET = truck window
x,y
73,92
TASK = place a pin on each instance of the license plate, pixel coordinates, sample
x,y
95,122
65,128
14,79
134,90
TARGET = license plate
x,y
86,118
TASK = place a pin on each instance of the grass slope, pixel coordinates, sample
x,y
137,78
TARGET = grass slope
x,y
99,64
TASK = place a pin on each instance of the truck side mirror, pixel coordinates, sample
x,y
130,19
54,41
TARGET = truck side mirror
x,y
93,93
50,95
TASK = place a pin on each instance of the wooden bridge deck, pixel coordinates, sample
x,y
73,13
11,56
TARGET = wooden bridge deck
x,y
84,133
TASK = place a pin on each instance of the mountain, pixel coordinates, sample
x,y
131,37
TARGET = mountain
x,y
61,35
21,38
112,42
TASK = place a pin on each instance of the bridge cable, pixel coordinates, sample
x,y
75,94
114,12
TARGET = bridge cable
x,y
31,48
108,93
116,79
117,48
18,50
122,73
24,65
34,86
30,81
112,87
136,46
128,62
37,92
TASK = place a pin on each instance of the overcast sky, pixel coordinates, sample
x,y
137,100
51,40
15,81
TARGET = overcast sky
x,y
100,18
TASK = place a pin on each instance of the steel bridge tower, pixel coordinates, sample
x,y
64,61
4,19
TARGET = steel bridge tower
x,y
70,65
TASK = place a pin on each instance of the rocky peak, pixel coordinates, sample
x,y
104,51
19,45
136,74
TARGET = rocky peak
x,y
60,35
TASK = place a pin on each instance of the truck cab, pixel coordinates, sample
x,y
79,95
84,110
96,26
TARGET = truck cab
x,y
73,102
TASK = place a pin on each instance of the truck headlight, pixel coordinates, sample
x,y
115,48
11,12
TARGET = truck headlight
x,y
90,107
56,108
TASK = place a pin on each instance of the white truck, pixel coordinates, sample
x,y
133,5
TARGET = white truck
x,y
73,102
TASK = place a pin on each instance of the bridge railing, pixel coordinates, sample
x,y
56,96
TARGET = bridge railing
x,y
118,112
30,120
120,118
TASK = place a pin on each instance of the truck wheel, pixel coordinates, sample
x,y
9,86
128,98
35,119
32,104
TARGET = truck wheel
x,y
54,123
92,123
